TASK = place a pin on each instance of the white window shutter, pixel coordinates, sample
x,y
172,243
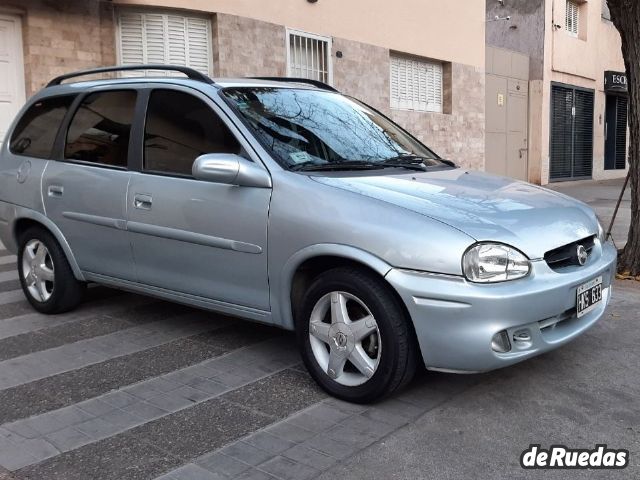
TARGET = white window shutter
x,y
177,40
573,18
164,39
155,48
198,43
131,39
416,84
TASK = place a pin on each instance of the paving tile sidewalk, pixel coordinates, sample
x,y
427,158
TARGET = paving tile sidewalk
x,y
580,395
201,408
4,475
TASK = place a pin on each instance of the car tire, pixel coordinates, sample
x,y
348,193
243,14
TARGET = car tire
x,y
45,274
353,296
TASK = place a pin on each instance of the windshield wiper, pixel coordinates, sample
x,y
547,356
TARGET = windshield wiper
x,y
317,167
411,162
450,163
408,161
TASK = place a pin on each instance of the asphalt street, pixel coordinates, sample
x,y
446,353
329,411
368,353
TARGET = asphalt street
x,y
129,387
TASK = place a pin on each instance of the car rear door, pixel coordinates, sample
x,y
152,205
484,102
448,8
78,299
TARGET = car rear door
x,y
85,188
190,236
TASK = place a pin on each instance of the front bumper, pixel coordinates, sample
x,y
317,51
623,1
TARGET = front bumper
x,y
455,320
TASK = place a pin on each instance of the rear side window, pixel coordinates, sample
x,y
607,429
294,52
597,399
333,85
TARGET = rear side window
x,y
180,128
36,131
100,129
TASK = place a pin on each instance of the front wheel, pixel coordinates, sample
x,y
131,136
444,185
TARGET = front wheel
x,y
354,336
45,275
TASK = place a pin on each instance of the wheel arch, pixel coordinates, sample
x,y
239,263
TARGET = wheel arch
x,y
26,218
307,263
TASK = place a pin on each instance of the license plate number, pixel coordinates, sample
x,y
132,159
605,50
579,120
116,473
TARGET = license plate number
x,y
588,296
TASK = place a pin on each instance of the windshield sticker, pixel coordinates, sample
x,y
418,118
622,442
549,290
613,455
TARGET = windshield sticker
x,y
300,157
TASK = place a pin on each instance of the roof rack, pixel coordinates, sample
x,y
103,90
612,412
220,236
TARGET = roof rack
x,y
189,72
315,83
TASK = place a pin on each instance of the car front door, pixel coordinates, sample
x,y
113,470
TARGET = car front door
x,y
85,188
189,236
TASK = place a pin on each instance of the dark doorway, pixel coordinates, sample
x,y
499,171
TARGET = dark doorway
x,y
615,131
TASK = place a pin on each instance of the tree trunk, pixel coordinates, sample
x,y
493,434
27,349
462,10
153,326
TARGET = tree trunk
x,y
625,15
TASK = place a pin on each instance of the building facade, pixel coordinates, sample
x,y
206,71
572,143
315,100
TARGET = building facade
x,y
399,60
577,88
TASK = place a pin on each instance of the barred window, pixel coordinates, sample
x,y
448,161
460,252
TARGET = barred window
x,y
309,56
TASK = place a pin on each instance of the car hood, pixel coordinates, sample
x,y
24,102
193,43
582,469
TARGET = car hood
x,y
485,207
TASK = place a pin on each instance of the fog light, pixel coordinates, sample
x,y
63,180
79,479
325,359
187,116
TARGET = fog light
x,y
500,342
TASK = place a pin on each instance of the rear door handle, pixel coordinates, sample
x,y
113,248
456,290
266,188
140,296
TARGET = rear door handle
x,y
55,190
143,202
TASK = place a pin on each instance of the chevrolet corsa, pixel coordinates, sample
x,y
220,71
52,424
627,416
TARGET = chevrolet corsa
x,y
284,202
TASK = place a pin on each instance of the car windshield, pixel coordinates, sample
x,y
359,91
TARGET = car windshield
x,y
310,128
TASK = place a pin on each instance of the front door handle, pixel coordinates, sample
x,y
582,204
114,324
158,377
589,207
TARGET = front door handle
x,y
143,202
55,190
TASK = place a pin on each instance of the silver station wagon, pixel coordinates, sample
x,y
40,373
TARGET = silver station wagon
x,y
284,202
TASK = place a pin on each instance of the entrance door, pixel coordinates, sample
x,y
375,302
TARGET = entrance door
x,y
615,145
85,192
191,236
11,71
571,146
517,144
507,90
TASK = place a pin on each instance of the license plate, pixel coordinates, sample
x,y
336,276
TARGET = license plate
x,y
588,296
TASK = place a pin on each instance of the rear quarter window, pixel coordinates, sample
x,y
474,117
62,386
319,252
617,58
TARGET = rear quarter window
x,y
36,130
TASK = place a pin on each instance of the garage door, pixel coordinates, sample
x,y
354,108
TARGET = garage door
x,y
11,71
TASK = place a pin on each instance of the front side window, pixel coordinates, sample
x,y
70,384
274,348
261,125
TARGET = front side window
x,y
303,127
180,128
36,131
100,129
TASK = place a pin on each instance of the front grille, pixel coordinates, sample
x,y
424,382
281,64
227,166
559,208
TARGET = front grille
x,y
567,254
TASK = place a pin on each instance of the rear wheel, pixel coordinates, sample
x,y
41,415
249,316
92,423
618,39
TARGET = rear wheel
x,y
354,336
45,274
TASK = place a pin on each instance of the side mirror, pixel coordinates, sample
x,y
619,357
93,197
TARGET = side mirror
x,y
230,169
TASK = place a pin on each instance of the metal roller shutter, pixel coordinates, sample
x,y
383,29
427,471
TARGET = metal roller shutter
x,y
571,145
583,134
622,109
561,153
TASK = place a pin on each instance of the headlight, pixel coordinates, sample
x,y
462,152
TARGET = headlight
x,y
494,262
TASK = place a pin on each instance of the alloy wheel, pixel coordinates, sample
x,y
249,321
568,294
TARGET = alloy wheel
x,y
345,338
38,270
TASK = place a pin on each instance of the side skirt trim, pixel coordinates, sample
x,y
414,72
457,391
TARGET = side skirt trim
x,y
255,314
